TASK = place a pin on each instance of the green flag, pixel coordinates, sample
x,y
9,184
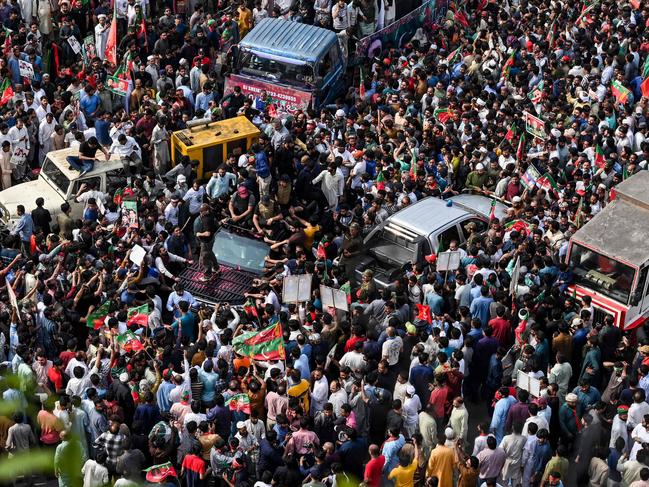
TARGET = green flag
x,y
139,315
96,318
129,341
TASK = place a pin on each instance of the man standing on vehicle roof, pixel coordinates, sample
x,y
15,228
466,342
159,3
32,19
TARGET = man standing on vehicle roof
x,y
205,228
85,161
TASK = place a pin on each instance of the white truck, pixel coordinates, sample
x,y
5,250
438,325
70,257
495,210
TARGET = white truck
x,y
58,183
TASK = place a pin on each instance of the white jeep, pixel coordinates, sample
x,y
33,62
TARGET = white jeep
x,y
58,183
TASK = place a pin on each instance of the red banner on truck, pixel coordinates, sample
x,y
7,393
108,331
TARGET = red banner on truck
x,y
283,99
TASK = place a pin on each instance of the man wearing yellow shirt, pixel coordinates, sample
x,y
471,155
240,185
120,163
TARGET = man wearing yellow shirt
x,y
403,475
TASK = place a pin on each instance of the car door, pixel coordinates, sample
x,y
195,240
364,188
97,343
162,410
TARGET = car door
x,y
77,208
446,236
481,227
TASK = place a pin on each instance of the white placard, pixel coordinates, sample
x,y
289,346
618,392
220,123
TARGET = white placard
x,y
529,383
516,272
137,255
74,44
333,298
26,69
448,261
296,288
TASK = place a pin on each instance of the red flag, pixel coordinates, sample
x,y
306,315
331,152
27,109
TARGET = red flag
x,y
644,87
423,313
111,44
142,33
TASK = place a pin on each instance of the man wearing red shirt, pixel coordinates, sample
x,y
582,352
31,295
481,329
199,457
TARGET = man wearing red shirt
x,y
55,375
501,327
374,467
357,336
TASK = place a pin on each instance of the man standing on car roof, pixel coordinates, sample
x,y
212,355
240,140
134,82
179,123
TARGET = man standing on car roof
x,y
205,228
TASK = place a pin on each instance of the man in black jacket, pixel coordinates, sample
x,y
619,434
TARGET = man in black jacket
x,y
41,217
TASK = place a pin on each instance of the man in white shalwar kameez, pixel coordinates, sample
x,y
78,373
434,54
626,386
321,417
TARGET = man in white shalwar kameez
x,y
332,184
160,142
101,36
45,131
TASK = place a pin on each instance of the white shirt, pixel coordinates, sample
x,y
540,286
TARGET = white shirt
x,y
636,414
540,421
319,394
337,399
19,138
391,349
411,408
639,435
353,360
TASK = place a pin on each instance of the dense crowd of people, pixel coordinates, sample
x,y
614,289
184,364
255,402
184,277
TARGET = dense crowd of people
x,y
109,364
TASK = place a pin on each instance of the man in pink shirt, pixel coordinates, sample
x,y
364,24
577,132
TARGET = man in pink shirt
x,y
303,440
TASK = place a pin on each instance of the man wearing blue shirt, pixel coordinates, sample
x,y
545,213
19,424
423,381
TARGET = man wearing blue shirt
x,y
89,103
24,228
204,98
220,183
480,306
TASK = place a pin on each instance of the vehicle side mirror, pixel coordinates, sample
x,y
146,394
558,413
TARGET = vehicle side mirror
x,y
636,298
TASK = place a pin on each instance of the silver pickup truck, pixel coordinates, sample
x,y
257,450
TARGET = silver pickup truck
x,y
416,231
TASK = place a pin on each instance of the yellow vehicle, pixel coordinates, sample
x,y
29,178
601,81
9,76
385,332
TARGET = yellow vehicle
x,y
210,143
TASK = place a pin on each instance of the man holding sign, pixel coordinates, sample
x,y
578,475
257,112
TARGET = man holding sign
x,y
85,161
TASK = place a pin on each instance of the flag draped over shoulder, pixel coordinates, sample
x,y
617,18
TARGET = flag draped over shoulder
x,y
266,344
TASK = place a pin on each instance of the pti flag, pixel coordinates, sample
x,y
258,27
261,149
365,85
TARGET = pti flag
x,y
240,402
547,182
600,158
129,342
266,344
517,225
620,92
96,318
138,316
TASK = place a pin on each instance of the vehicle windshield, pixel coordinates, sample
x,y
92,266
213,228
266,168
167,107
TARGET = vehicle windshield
x,y
602,274
299,75
393,249
240,252
59,180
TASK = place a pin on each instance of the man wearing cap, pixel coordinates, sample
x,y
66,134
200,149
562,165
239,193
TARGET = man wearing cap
x,y
570,418
411,408
477,179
